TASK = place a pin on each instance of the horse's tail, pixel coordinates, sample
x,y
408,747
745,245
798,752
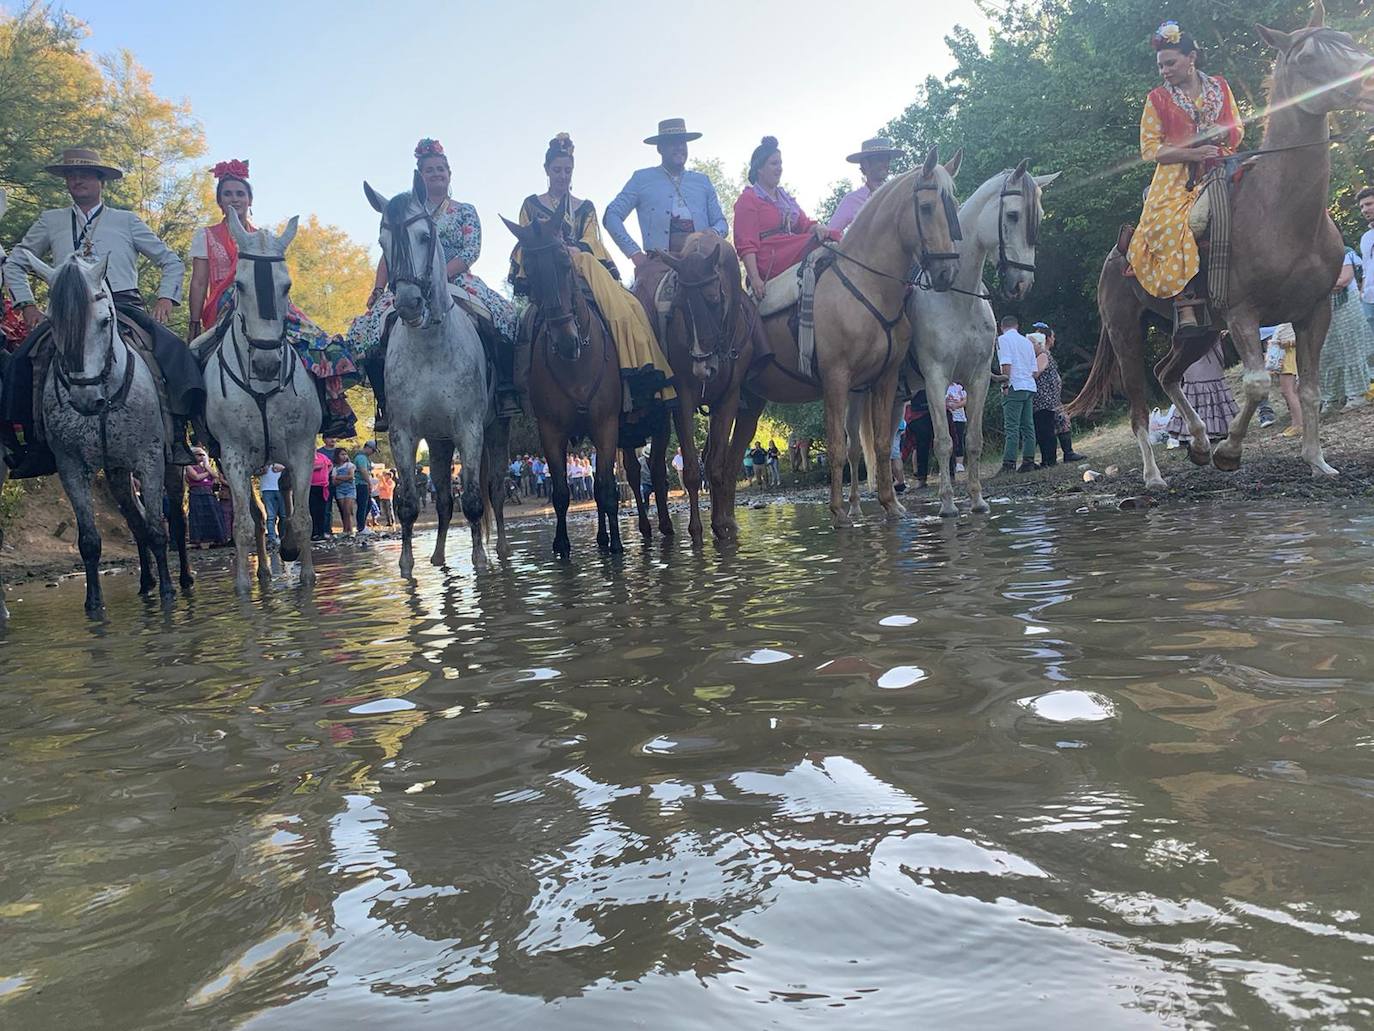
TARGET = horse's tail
x,y
1098,388
866,443
490,486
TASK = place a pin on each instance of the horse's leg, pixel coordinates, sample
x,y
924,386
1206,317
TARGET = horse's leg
x,y
937,383
973,437
406,502
555,443
150,511
607,500
658,473
76,481
255,509
295,540
496,445
723,415
836,393
1169,371
879,412
174,485
238,474
1243,328
122,487
1126,334
734,446
1311,334
854,415
630,460
687,399
441,475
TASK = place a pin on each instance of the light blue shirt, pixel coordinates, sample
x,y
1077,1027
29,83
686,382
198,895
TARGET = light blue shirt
x,y
653,196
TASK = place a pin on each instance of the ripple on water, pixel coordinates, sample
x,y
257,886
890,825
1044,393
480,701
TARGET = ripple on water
x,y
898,620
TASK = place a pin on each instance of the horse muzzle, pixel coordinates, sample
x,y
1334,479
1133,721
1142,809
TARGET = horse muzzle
x,y
942,273
1016,284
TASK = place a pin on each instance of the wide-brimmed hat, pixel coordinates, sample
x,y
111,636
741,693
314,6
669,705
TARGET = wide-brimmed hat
x,y
82,158
670,130
877,147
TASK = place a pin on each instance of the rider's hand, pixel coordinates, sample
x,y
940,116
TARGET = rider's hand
x,y
1206,152
32,316
162,310
757,285
820,231
639,259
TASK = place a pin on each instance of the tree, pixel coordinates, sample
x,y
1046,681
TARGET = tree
x,y
826,208
331,274
728,188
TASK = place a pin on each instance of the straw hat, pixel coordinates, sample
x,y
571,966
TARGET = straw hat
x,y
877,147
670,130
82,158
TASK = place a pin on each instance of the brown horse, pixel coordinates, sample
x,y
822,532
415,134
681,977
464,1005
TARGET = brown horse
x,y
861,330
575,388
1286,253
710,339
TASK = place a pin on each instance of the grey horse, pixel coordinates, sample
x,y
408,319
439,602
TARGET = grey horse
x,y
439,387
260,402
102,413
953,333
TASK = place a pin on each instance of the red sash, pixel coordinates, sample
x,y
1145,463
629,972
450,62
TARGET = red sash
x,y
223,254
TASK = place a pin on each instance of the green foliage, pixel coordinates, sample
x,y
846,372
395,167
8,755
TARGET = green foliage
x,y
826,208
11,501
728,188
1062,82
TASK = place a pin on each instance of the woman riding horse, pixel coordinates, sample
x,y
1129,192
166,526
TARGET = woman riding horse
x,y
460,236
1188,126
772,232
214,260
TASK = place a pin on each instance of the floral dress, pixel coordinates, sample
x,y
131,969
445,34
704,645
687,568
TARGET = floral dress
x,y
460,235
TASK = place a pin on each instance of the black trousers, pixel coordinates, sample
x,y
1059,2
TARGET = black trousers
x,y
364,504
925,443
1045,437
319,508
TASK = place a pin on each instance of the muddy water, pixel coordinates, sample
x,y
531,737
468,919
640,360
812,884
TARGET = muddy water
x,y
1045,769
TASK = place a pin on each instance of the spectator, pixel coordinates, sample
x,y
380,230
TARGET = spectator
x,y
919,435
206,519
896,459
760,462
956,402
1051,422
1349,343
1016,355
1365,199
319,497
678,465
386,492
269,485
774,473
749,466
327,449
344,487
1287,340
1204,385
541,476
362,483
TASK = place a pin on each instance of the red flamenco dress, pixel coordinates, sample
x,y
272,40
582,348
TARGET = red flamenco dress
x,y
774,228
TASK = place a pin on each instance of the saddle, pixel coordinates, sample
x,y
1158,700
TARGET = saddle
x,y
795,290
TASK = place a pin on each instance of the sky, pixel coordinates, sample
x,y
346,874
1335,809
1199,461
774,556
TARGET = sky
x,y
320,96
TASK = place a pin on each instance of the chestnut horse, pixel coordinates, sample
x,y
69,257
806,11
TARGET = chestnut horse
x,y
1285,254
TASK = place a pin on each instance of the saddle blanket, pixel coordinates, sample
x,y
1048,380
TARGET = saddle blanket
x,y
783,291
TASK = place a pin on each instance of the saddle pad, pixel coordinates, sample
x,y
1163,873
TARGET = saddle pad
x,y
782,291
469,303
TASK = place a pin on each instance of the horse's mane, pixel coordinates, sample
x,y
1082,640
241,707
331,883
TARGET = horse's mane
x,y
69,309
397,212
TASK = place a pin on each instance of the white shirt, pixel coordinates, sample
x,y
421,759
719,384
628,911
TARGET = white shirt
x,y
270,480
1017,351
1367,256
117,234
677,462
958,393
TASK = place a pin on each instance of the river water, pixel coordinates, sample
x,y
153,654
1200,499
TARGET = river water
x,y
1079,770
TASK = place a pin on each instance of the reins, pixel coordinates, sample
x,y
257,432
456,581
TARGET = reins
x,y
112,403
562,318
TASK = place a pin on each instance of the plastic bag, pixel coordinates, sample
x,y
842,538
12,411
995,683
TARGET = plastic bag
x,y
1273,356
1159,425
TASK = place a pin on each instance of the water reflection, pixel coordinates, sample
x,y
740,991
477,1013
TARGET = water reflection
x,y
1101,770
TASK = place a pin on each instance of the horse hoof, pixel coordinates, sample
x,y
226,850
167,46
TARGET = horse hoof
x,y
842,521
617,548
187,582
436,559
1321,470
1225,460
981,507
1158,483
896,510
1200,457
289,554
951,511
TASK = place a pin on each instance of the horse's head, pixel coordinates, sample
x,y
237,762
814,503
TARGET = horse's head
x,y
549,271
84,328
1012,228
709,281
262,285
934,227
414,259
1320,70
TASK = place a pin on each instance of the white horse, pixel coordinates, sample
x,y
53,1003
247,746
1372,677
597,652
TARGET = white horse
x,y
954,333
102,413
260,402
438,385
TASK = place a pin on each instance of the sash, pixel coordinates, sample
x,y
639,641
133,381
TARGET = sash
x,y
223,255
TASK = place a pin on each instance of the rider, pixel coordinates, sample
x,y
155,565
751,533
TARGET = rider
x,y
772,233
1188,125
874,159
671,202
460,235
214,263
94,230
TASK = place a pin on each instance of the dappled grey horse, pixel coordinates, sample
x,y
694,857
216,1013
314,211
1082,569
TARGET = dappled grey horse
x,y
260,402
101,412
439,387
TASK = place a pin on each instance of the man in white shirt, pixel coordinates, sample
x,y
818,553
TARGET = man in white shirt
x,y
1016,355
1365,198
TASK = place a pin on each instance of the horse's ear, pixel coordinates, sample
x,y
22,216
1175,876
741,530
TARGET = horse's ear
x,y
1044,180
1020,170
1275,38
417,187
98,273
236,229
517,231
931,157
952,165
374,198
1318,15
45,271
671,260
290,233
715,253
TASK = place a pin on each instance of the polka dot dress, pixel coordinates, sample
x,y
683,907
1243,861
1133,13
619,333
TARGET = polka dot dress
x,y
1163,252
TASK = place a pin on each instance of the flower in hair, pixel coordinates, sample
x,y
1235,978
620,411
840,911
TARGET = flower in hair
x,y
1169,32
232,169
427,147
563,142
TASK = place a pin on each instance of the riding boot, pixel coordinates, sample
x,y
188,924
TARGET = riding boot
x,y
507,396
375,367
180,451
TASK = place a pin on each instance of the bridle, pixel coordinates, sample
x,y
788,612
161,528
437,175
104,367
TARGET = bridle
x,y
403,271
1032,217
956,233
561,316
719,338
111,402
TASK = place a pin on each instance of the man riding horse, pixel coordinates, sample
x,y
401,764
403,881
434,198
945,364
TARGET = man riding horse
x,y
93,229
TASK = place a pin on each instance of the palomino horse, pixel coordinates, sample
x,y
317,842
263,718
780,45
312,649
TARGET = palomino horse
x,y
101,412
438,382
710,340
575,388
911,220
260,403
1285,255
953,333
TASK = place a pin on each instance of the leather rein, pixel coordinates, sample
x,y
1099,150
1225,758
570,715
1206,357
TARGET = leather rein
x,y
562,317
111,403
402,248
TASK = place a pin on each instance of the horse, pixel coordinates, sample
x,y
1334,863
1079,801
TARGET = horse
x,y
710,336
911,220
260,403
574,381
1285,255
953,334
101,412
439,384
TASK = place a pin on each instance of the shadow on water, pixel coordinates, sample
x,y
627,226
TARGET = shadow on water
x,y
1099,770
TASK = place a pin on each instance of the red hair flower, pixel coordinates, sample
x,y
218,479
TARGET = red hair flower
x,y
232,169
427,148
